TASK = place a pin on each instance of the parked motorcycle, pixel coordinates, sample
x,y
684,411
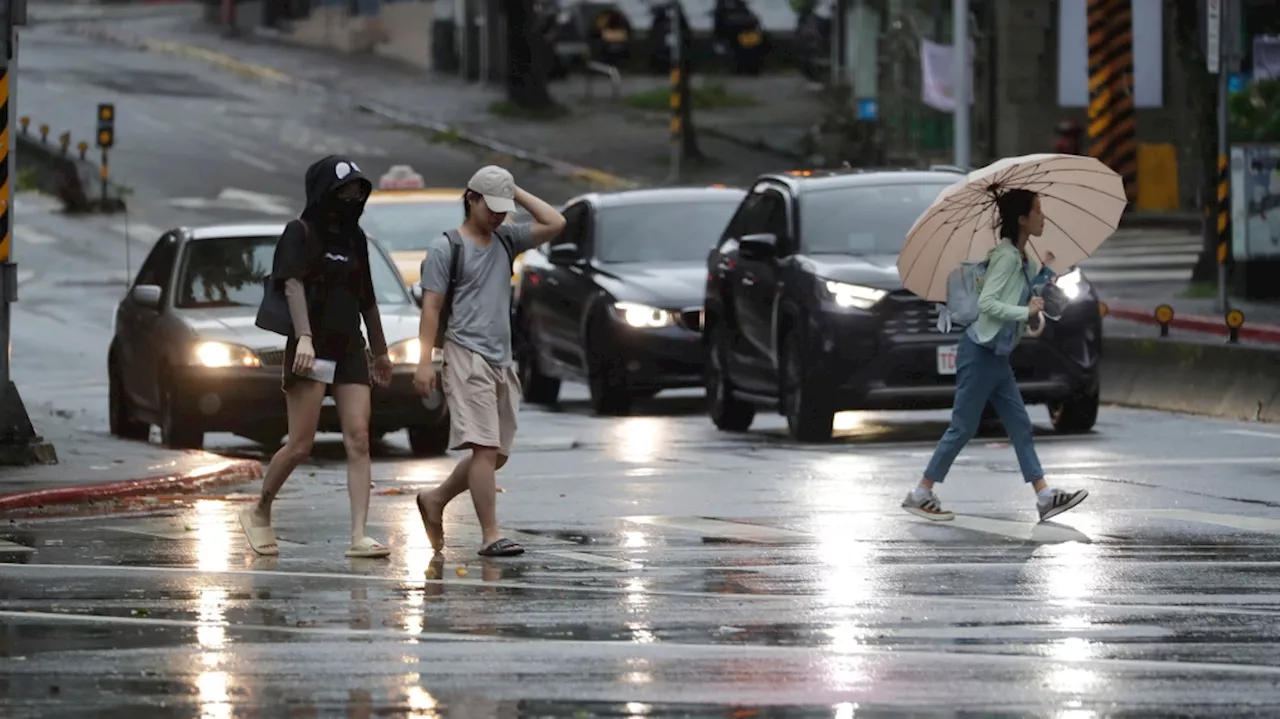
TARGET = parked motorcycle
x,y
584,31
738,33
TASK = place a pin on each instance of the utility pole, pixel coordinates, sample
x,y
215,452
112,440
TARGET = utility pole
x,y
19,444
962,135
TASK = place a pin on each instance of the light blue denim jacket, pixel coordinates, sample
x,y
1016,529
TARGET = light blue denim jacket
x,y
1002,305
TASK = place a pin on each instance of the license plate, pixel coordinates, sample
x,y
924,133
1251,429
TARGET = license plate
x,y
748,39
947,360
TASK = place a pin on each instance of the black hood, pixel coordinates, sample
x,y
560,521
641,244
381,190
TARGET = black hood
x,y
327,175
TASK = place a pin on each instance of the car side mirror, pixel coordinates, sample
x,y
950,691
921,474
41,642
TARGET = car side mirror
x,y
759,246
566,254
147,295
416,290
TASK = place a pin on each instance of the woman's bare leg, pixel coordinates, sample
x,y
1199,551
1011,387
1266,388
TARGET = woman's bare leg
x,y
353,411
303,402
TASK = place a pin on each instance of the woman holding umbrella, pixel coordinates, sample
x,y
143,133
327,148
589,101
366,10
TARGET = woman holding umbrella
x,y
983,372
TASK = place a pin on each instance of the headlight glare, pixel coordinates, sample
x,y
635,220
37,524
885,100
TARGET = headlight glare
x,y
1070,283
409,352
847,295
222,354
643,316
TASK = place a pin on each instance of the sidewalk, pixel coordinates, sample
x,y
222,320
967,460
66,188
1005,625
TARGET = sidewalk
x,y
611,144
94,467
1201,316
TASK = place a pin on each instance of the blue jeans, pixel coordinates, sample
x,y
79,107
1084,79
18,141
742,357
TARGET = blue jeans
x,y
982,376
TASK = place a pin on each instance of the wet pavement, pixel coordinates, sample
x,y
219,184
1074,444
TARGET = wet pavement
x,y
673,570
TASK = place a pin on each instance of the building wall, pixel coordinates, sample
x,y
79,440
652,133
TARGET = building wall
x,y
397,29
1026,92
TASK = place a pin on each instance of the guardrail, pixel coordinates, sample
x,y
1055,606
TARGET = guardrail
x,y
80,184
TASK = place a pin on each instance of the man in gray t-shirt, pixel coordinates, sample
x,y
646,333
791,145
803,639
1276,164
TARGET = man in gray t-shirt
x,y
480,384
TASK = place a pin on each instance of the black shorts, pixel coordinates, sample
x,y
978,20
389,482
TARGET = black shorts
x,y
353,366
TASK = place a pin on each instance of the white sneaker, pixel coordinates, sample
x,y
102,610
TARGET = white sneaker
x,y
928,507
1058,502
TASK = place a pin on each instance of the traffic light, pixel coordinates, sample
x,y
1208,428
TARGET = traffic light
x,y
106,125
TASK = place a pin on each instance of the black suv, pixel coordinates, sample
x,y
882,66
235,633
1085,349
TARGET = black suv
x,y
805,312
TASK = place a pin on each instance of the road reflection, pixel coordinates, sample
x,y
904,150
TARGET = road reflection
x,y
211,524
639,440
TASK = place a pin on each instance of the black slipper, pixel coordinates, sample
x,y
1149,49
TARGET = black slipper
x,y
502,548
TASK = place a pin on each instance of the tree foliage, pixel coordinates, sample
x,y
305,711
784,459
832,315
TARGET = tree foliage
x,y
1254,113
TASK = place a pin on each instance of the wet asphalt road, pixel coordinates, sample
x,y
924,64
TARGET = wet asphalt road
x,y
673,570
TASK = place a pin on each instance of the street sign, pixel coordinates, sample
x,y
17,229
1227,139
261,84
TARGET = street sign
x,y
106,125
1213,35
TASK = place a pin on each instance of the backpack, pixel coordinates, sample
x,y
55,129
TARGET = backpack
x,y
455,259
964,287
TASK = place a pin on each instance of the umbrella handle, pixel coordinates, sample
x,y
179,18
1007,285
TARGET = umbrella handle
x,y
1040,330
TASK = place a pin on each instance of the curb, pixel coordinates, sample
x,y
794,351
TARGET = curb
x,y
597,177
215,475
1198,323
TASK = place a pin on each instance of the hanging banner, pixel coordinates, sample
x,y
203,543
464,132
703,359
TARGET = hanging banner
x,y
936,77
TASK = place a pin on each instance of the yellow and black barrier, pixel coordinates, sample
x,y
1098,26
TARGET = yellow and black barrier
x,y
1113,136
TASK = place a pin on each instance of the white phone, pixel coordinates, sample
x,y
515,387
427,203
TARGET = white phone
x,y
322,370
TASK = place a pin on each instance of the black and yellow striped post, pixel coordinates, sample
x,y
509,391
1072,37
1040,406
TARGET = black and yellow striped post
x,y
677,125
1224,209
6,189
1112,122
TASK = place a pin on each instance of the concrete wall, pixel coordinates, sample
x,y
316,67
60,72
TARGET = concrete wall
x,y
397,29
1027,95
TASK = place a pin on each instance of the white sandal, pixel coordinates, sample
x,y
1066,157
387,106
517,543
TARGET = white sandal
x,y
368,548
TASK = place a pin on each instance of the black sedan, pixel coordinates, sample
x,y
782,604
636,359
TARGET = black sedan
x,y
617,299
805,312
187,356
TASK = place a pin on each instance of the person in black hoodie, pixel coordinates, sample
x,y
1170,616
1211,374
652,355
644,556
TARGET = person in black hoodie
x,y
323,261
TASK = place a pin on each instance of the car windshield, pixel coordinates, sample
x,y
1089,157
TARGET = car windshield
x,y
868,220
663,232
228,272
410,225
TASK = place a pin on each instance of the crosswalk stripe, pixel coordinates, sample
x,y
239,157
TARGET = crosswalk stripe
x,y
14,548
1252,433
1144,249
1161,260
1175,275
1235,521
31,236
725,529
138,232
192,535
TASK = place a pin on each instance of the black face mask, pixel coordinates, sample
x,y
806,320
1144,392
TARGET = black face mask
x,y
346,211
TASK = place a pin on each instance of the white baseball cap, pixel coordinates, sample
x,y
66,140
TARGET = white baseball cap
x,y
497,186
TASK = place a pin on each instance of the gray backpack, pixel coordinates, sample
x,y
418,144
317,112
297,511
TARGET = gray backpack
x,y
964,287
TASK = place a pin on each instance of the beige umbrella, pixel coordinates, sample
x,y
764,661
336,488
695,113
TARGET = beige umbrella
x,y
1082,200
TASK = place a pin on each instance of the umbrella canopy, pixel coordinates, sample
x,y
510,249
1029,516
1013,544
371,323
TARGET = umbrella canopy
x,y
1082,200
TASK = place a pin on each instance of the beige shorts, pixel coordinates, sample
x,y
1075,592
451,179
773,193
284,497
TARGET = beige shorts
x,y
483,400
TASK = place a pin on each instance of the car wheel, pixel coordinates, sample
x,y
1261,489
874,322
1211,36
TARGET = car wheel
x,y
177,431
538,388
120,416
808,419
1078,413
610,395
727,412
429,441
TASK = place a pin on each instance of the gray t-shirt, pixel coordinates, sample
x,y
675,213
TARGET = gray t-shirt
x,y
481,316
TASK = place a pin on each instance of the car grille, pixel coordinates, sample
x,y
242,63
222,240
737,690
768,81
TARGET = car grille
x,y
908,314
691,318
270,357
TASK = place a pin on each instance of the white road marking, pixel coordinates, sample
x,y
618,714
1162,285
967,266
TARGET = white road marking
x,y
13,548
1252,433
679,650
1137,260
1264,525
1021,531
1167,462
194,623
138,232
182,536
1138,275
727,530
149,121
588,558
32,236
252,161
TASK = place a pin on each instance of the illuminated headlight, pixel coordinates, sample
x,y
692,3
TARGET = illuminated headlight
x,y
847,295
643,316
410,352
221,354
1070,283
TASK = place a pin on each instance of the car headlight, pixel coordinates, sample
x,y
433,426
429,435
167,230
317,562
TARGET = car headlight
x,y
1070,283
847,295
410,352
643,316
222,354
